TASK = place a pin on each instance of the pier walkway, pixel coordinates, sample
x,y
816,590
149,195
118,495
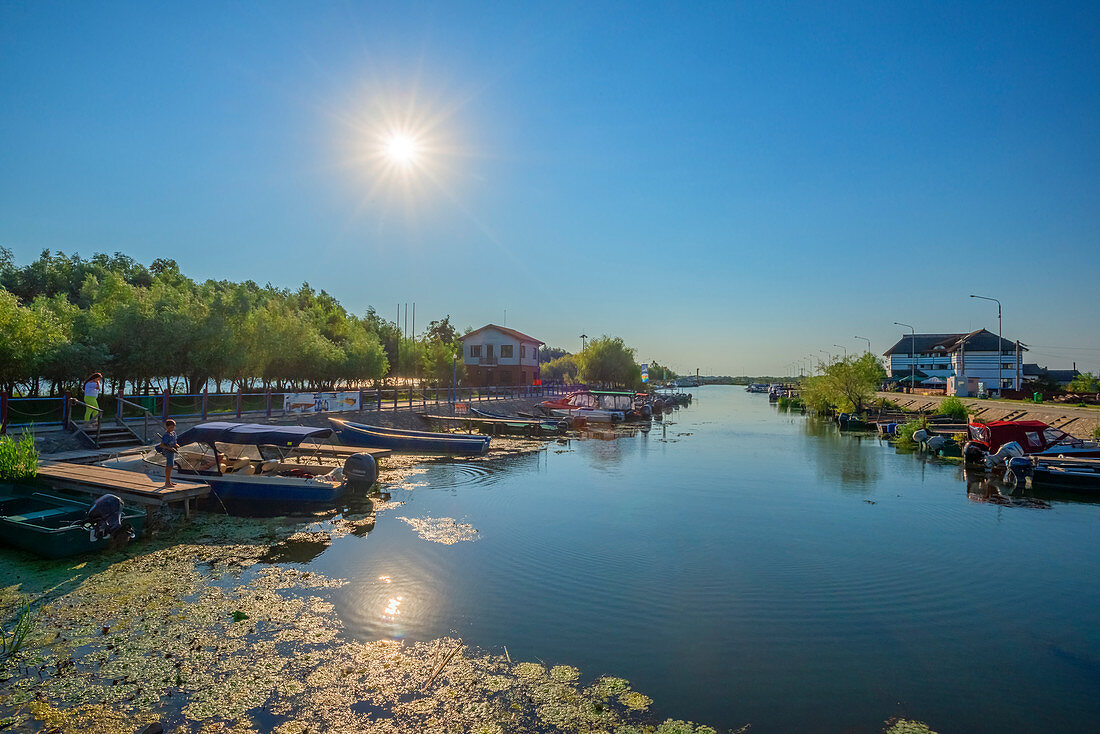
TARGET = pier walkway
x,y
130,486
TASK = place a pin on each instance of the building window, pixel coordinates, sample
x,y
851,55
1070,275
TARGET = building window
x,y
505,376
522,351
1008,366
475,350
505,350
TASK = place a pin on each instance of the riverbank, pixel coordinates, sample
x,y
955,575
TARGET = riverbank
x,y
1076,421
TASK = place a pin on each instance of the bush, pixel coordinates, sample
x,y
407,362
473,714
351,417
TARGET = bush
x,y
1096,433
905,433
954,408
18,458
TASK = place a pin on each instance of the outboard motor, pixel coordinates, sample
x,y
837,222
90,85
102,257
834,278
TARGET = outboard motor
x,y
935,443
974,453
1010,450
104,520
1019,468
360,472
920,435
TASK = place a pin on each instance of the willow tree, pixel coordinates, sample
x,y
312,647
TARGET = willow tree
x,y
608,361
846,384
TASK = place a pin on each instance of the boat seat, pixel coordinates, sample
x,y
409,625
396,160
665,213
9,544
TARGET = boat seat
x,y
40,514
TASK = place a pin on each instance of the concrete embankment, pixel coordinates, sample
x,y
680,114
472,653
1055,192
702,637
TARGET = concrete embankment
x,y
1074,420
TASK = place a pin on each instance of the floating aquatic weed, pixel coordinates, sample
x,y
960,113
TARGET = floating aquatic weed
x,y
635,701
564,673
444,530
906,726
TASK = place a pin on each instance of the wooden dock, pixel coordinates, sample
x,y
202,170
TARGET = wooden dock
x,y
130,486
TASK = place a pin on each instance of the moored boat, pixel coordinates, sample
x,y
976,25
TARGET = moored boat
x,y
58,527
1032,438
423,442
257,465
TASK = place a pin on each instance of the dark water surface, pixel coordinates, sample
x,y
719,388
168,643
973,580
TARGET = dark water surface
x,y
743,566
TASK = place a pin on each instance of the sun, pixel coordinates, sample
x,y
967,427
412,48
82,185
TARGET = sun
x,y
401,149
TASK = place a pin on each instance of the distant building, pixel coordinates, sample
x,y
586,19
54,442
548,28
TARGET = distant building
x,y
497,355
962,360
1062,377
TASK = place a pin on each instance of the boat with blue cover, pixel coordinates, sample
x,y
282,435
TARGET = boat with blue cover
x,y
406,441
59,527
258,465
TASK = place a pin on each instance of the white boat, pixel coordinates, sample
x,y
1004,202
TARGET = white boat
x,y
252,464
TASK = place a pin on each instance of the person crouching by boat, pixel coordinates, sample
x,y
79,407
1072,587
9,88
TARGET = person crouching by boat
x,y
93,386
168,446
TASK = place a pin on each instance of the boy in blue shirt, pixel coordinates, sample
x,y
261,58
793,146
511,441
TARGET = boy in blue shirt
x,y
168,446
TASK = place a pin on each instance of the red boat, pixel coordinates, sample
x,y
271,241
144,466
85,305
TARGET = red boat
x,y
1033,437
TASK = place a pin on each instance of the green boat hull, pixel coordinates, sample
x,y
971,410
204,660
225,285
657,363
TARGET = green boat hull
x,y
42,524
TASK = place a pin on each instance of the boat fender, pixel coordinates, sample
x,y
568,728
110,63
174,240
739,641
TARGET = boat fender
x,y
360,472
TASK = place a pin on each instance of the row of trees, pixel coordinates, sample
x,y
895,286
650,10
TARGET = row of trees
x,y
152,327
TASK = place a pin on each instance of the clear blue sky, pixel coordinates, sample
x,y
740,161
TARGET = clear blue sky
x,y
728,186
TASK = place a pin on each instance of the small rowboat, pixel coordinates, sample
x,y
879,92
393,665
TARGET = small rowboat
x,y
54,527
422,442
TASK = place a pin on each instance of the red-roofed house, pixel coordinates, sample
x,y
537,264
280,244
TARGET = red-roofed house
x,y
497,355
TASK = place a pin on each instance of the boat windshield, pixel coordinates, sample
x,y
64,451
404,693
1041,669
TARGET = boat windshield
x,y
616,402
584,400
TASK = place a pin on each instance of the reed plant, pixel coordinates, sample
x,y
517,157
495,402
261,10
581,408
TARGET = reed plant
x,y
13,641
18,458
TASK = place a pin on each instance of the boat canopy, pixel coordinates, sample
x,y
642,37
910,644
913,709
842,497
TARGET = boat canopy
x,y
251,434
1031,435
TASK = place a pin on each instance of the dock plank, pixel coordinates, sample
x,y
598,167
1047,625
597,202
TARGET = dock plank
x,y
134,485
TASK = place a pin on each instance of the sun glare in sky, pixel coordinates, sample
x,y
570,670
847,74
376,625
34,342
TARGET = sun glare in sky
x,y
402,149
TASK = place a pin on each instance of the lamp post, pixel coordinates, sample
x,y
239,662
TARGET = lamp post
x,y
912,352
583,338
1000,336
844,348
454,378
866,340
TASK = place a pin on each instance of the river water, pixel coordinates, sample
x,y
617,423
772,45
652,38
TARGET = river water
x,y
745,566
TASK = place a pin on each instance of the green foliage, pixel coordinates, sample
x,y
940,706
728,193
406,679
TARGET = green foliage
x,y
64,317
660,373
1096,433
904,436
953,407
549,354
563,369
18,458
1084,382
791,403
608,361
13,641
846,384
906,726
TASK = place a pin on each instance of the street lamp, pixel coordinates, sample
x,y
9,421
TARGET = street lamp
x,y
866,340
454,378
912,353
844,348
1000,336
583,338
